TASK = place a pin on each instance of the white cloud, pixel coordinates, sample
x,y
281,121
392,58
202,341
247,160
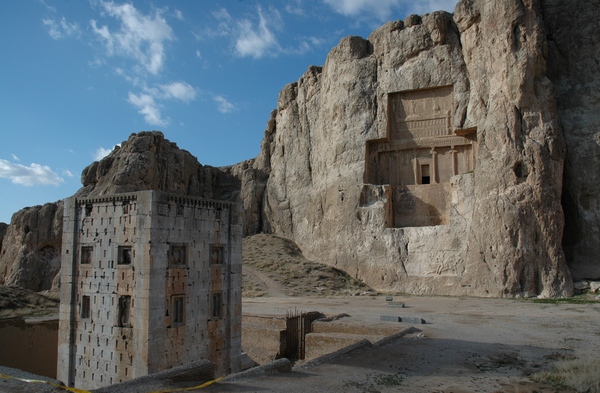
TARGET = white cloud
x,y
96,63
141,37
295,8
67,173
258,41
62,28
148,102
14,157
224,105
148,107
101,152
225,25
258,37
198,54
384,10
34,174
134,80
423,7
182,91
48,7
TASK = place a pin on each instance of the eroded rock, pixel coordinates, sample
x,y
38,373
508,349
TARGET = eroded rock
x,y
573,59
30,256
343,185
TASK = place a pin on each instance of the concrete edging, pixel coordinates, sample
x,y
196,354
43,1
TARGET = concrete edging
x,y
395,336
282,365
339,352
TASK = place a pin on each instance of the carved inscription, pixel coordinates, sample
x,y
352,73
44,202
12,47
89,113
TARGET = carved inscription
x,y
421,113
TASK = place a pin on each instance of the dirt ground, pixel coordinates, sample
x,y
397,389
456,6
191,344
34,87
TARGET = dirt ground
x,y
466,344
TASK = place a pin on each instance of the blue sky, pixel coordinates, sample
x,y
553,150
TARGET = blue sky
x,y
78,77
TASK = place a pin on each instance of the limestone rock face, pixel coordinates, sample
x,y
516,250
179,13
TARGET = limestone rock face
x,y
573,60
148,161
30,256
515,242
3,228
426,159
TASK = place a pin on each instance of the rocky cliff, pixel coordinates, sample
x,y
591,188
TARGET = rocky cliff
x,y
434,157
148,161
3,228
30,252
30,256
573,60
429,157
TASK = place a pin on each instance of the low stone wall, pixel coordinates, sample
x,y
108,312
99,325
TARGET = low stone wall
x,y
261,337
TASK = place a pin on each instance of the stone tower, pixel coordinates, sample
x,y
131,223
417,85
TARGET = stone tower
x,y
150,280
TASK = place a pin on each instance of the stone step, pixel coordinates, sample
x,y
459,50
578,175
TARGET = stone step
x,y
320,344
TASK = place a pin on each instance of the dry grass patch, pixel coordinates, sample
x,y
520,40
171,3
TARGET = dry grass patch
x,y
20,302
583,375
282,261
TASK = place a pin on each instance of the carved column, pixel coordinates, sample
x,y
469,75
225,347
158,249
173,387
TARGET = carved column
x,y
454,162
416,167
433,173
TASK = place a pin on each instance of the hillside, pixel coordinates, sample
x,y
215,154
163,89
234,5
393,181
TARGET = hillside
x,y
274,266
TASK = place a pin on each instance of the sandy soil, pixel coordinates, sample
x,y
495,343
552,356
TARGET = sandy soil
x,y
467,345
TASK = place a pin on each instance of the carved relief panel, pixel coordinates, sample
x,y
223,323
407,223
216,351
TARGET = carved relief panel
x,y
420,149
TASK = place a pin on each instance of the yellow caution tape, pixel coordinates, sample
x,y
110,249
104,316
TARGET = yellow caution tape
x,y
205,384
75,390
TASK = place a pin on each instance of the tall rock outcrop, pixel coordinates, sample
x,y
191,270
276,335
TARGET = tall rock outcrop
x,y
31,248
3,228
427,158
573,62
434,157
30,256
148,161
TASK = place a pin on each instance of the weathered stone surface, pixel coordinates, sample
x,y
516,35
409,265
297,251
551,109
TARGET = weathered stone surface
x,y
495,226
30,256
3,228
148,161
514,242
573,60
